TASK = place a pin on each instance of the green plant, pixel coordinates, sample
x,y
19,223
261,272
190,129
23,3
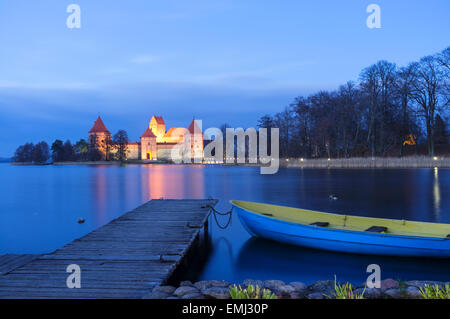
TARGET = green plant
x,y
252,292
435,292
345,291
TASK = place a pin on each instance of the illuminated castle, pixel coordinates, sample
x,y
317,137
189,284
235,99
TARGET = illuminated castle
x,y
155,143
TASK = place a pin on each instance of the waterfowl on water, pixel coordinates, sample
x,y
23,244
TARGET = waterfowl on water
x,y
81,220
333,197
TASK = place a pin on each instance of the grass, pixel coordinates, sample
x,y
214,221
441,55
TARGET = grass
x,y
435,292
252,292
345,291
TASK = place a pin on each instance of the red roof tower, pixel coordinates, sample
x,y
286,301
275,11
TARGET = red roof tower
x,y
99,127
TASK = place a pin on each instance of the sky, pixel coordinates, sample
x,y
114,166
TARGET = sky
x,y
221,61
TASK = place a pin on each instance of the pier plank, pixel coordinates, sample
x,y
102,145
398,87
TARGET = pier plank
x,y
125,258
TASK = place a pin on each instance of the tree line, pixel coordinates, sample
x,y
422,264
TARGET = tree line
x,y
388,109
61,151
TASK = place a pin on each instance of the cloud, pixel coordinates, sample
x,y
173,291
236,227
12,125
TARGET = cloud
x,y
46,85
143,59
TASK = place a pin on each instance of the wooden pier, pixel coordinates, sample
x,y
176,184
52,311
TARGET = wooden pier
x,y
125,258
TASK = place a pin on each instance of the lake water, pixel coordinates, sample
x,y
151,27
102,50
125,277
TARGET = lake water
x,y
40,206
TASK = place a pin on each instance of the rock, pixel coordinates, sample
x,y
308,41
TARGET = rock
x,y
202,284
286,290
413,292
156,295
173,297
298,286
394,293
183,290
369,293
186,283
315,295
219,283
297,295
387,284
217,292
273,285
193,295
324,287
165,289
248,282
422,283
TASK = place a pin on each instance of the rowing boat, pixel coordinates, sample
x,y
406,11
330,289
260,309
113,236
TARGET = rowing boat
x,y
344,233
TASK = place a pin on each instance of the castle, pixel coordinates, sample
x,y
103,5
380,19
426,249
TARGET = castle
x,y
155,143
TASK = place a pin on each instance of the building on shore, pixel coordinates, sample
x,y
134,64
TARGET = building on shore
x,y
155,143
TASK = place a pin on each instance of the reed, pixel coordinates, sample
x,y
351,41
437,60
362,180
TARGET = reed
x,y
368,162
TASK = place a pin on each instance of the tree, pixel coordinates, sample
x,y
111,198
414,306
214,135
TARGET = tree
x,y
68,151
440,134
267,122
41,152
404,88
57,151
24,153
120,141
427,86
81,149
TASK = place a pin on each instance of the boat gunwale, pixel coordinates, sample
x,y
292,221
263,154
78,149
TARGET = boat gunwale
x,y
359,232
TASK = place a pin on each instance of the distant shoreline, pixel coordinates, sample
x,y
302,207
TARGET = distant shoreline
x,y
368,162
341,163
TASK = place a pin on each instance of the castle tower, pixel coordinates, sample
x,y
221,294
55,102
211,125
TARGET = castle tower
x,y
196,134
148,145
100,138
158,128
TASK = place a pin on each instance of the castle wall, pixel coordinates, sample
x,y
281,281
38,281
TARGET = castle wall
x,y
133,151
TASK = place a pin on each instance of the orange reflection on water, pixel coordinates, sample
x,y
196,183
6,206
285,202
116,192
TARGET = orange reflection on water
x,y
100,194
172,181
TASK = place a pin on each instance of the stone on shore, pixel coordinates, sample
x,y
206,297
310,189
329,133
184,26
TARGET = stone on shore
x,y
248,282
389,283
203,284
422,283
186,283
193,295
156,295
219,283
394,293
183,290
369,293
165,289
413,292
274,285
286,290
315,295
217,293
324,287
298,286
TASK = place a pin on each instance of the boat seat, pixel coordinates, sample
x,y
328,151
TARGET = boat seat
x,y
448,236
377,229
320,224
267,214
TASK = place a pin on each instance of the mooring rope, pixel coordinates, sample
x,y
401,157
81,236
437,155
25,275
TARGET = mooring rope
x,y
216,212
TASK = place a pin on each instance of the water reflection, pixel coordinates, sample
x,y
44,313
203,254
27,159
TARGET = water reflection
x,y
290,262
436,193
41,215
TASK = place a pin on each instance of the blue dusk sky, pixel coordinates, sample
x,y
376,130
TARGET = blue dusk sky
x,y
218,60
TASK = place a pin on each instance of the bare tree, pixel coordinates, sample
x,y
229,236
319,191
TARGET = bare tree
x,y
120,142
427,84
